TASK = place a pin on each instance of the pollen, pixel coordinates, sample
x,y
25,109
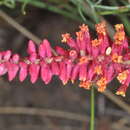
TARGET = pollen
x,y
65,37
102,84
101,28
119,27
96,42
119,37
116,58
85,84
83,60
84,28
122,76
98,70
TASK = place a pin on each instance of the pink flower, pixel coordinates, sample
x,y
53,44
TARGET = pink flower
x,y
70,41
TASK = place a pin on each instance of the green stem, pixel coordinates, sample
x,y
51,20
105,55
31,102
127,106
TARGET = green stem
x,y
92,109
112,7
52,8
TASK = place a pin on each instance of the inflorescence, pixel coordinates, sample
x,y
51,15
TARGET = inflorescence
x,y
92,61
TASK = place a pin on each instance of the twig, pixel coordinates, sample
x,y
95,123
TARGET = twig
x,y
43,112
21,29
116,112
117,101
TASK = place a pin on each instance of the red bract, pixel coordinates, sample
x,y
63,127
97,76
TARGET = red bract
x,y
92,61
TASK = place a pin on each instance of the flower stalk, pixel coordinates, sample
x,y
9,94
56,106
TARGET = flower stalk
x,y
92,106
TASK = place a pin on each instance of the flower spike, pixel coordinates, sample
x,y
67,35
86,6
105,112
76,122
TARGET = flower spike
x,y
93,62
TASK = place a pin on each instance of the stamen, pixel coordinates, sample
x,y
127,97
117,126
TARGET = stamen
x,y
96,42
85,84
101,28
116,58
84,28
122,76
79,35
119,37
102,84
119,27
98,70
83,60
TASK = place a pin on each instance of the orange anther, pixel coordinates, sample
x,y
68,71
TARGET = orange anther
x,y
119,37
122,76
79,35
83,59
96,42
84,28
116,58
85,84
119,27
101,28
122,93
98,70
102,84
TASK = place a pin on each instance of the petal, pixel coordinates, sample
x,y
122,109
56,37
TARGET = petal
x,y
61,51
75,72
95,51
48,48
23,71
15,58
31,47
46,73
69,40
90,73
12,70
122,90
69,69
55,68
6,55
110,74
83,72
63,73
33,57
42,50
3,69
34,72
